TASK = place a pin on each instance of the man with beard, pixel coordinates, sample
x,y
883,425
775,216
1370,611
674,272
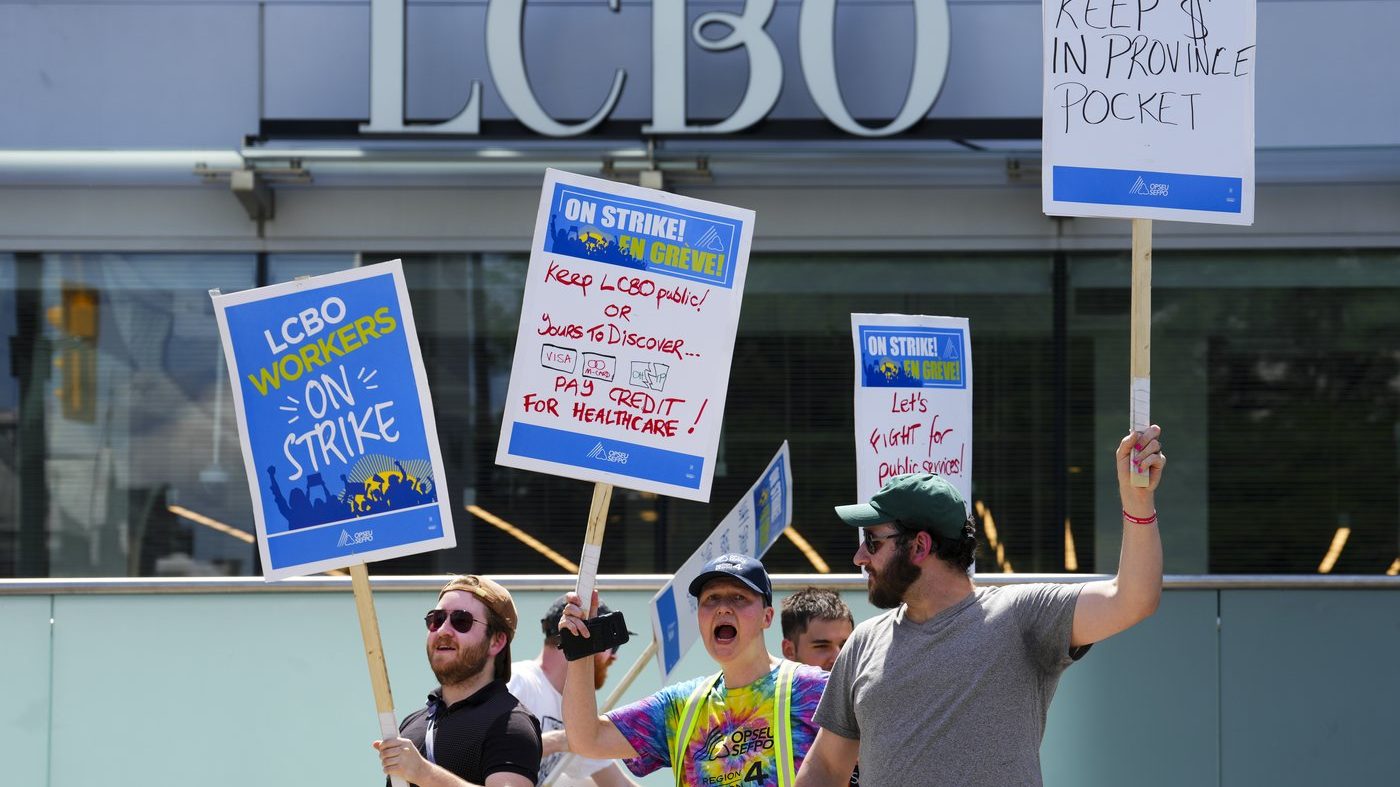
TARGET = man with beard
x,y
539,684
472,732
952,686
748,724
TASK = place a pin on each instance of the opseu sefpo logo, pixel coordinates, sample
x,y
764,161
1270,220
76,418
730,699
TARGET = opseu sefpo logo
x,y
604,455
1144,189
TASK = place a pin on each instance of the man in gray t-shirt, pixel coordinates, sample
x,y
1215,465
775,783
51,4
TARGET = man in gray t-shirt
x,y
952,685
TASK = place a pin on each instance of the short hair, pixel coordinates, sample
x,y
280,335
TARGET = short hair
x,y
958,552
501,617
812,603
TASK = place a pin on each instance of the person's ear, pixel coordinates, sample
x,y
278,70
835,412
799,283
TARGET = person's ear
x,y
921,547
498,642
789,650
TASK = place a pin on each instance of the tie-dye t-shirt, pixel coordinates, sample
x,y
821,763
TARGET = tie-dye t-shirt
x,y
735,737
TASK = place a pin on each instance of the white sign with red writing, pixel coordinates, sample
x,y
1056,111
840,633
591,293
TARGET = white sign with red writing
x,y
913,399
626,335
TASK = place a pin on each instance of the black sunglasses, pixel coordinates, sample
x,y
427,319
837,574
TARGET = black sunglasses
x,y
462,620
873,542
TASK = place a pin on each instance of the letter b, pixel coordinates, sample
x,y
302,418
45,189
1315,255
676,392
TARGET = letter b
x,y
668,45
311,321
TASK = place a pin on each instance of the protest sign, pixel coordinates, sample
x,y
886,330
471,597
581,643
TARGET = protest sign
x,y
337,426
626,334
1148,110
913,399
750,528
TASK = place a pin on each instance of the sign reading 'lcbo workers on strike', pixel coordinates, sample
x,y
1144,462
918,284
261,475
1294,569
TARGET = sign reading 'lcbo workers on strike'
x,y
626,335
1149,109
336,422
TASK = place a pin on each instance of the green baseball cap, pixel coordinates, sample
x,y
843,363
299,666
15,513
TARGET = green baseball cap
x,y
920,501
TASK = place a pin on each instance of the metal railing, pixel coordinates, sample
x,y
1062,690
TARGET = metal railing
x,y
630,582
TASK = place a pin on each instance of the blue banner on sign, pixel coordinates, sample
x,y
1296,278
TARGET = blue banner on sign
x,y
1148,189
601,453
299,547
334,421
912,357
769,506
650,236
670,628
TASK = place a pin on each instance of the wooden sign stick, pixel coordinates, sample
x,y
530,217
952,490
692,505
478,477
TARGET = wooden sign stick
x,y
374,654
1141,335
593,541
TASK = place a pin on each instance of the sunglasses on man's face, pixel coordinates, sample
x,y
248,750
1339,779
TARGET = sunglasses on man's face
x,y
462,620
873,542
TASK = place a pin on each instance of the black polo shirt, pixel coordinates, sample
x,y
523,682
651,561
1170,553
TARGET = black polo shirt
x,y
508,736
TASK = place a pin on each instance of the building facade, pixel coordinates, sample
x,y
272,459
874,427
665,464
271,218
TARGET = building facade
x,y
152,151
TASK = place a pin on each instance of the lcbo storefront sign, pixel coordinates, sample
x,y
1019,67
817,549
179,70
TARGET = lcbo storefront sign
x,y
669,32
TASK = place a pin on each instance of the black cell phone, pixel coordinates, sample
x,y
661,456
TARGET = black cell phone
x,y
605,631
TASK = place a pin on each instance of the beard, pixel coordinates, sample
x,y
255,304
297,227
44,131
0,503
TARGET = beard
x,y
468,663
887,586
600,671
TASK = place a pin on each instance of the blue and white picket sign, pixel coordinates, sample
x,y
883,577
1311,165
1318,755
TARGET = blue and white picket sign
x,y
913,399
1148,110
626,335
750,528
336,422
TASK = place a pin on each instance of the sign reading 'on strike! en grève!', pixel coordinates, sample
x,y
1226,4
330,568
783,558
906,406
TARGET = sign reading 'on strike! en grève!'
x,y
626,336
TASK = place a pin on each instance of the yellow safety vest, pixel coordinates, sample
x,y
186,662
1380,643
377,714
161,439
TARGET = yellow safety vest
x,y
782,716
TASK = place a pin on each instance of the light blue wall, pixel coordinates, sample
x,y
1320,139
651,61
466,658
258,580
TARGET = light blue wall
x,y
1292,687
24,687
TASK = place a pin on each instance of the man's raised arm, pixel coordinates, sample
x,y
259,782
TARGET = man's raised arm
x,y
1110,606
588,733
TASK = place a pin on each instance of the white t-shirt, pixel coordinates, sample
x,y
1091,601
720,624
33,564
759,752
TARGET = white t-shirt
x,y
529,685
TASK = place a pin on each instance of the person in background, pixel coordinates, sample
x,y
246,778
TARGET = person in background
x,y
816,624
539,684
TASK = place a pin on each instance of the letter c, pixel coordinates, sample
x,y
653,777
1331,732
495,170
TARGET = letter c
x,y
287,334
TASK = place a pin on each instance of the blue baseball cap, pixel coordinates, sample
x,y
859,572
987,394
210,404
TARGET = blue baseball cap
x,y
747,570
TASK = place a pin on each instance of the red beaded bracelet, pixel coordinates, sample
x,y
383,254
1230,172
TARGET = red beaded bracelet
x,y
1137,520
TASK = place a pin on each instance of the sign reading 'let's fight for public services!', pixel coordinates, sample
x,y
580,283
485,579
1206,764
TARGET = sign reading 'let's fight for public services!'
x,y
626,335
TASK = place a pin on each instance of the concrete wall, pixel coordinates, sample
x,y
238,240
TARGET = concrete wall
x,y
247,683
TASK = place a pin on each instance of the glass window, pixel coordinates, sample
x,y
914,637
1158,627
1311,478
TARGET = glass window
x,y
123,441
1278,378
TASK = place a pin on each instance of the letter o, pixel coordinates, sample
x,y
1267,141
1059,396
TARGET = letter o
x,y
326,310
313,386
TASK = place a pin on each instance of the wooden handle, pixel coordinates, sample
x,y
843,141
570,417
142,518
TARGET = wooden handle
x,y
1140,389
374,654
593,541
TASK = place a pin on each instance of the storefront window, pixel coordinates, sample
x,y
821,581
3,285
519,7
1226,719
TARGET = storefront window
x,y
1277,377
